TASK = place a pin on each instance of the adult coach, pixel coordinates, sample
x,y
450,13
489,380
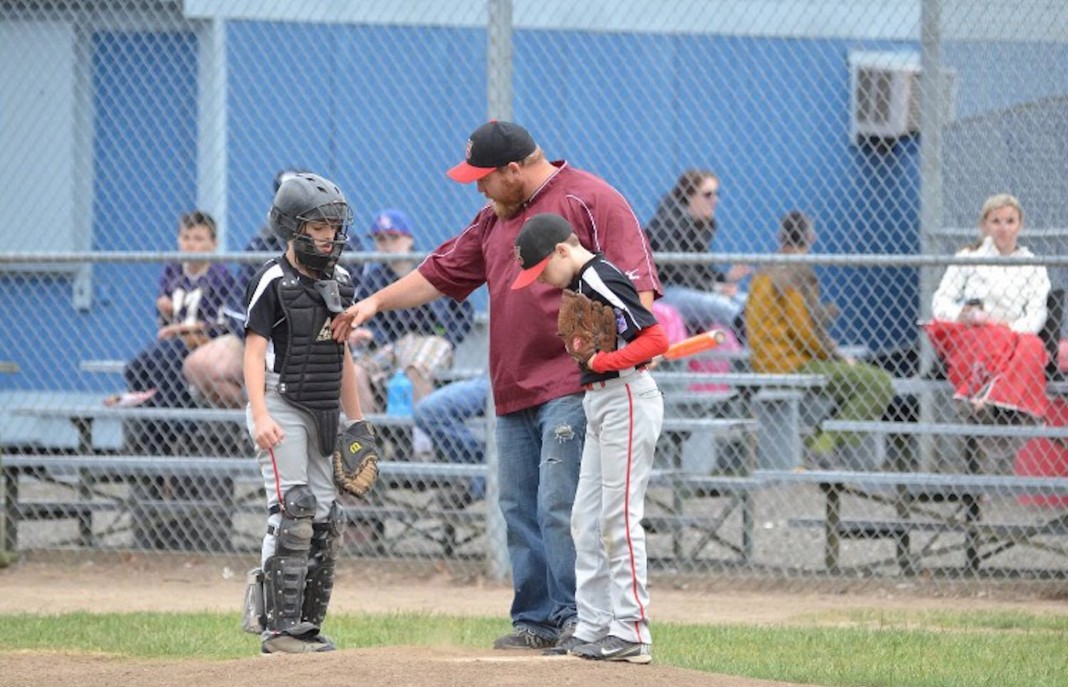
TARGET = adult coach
x,y
536,391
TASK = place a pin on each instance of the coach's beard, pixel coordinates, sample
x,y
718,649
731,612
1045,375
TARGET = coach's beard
x,y
510,201
506,211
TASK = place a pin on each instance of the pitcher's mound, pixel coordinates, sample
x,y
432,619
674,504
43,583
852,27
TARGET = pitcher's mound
x,y
439,666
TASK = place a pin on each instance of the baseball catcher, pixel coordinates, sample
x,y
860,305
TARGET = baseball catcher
x,y
299,391
586,326
356,459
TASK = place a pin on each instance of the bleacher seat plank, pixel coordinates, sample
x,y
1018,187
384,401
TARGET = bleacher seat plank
x,y
874,529
989,484
744,379
946,429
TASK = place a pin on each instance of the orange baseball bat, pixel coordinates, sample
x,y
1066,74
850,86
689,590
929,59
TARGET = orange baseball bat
x,y
695,344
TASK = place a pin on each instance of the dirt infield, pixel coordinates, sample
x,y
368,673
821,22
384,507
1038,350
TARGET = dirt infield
x,y
163,583
383,667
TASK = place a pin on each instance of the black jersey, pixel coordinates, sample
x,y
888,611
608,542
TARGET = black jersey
x,y
602,281
264,313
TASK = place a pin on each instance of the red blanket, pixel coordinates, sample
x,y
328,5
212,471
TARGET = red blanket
x,y
993,364
1046,458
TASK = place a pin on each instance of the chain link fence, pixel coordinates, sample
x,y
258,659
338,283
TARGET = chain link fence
x,y
823,152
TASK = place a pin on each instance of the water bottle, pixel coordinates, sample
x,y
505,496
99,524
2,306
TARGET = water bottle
x,y
399,394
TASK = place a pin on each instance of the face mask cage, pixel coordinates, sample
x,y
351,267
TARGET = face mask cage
x,y
337,215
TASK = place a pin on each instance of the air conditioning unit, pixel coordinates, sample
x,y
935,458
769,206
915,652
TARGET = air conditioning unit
x,y
885,95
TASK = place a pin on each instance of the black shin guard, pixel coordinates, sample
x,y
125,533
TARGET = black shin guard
x,y
319,583
286,571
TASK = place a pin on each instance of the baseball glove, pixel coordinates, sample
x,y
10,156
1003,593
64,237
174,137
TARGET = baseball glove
x,y
586,326
356,459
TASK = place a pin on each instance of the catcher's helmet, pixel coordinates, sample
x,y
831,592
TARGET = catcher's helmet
x,y
306,197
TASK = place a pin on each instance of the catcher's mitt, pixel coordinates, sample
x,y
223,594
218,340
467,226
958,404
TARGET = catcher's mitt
x,y
586,326
356,459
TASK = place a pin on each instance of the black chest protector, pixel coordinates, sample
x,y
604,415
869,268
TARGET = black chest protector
x,y
311,371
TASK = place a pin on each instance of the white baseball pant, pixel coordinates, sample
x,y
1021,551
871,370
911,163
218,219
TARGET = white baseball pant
x,y
623,421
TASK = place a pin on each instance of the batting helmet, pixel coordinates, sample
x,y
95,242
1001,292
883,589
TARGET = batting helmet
x,y
306,197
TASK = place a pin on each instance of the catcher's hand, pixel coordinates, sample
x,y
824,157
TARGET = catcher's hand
x,y
586,326
356,459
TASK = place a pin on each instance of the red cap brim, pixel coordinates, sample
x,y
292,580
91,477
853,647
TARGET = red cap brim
x,y
530,275
465,173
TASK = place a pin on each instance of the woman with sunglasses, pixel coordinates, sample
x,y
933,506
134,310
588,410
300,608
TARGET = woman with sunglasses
x,y
685,222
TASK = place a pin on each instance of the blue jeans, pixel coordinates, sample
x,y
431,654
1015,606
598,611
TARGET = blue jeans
x,y
539,455
702,308
443,417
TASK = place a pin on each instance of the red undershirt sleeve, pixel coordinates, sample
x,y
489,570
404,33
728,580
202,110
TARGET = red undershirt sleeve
x,y
650,342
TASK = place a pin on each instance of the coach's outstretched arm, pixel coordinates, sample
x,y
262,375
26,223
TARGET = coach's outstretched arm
x,y
407,292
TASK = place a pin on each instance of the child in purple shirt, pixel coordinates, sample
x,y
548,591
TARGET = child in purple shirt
x,y
189,303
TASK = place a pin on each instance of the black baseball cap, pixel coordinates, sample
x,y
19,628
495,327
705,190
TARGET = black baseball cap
x,y
492,145
535,245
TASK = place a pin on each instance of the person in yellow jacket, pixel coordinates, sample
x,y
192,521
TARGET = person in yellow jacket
x,y
788,333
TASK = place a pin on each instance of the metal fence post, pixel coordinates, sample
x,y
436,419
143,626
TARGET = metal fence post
x,y
499,60
931,116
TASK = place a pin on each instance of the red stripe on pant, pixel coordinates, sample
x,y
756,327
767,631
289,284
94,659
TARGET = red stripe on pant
x,y
626,510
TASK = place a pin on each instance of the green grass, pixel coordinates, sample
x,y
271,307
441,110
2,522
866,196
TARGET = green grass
x,y
973,620
936,649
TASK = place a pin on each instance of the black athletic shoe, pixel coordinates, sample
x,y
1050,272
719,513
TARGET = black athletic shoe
x,y
523,638
288,644
564,647
615,649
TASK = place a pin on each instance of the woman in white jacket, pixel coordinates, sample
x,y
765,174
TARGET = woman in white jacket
x,y
987,317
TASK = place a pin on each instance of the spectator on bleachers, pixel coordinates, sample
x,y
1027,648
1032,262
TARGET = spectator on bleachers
x,y
419,340
443,416
685,222
214,370
788,333
987,319
189,305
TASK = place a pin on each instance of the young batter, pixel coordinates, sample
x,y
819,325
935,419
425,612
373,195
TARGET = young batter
x,y
624,413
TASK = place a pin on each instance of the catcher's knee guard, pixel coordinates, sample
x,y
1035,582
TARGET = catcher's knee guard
x,y
321,560
284,573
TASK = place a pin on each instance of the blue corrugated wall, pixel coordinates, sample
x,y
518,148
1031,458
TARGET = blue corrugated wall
x,y
387,138
144,158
